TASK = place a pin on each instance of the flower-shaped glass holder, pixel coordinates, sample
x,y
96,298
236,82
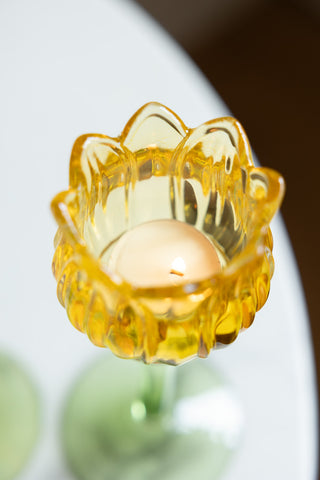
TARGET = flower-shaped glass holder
x,y
160,169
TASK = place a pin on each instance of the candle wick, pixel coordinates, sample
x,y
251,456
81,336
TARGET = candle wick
x,y
178,267
176,272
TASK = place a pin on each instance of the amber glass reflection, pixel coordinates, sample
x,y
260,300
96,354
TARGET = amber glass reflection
x,y
158,168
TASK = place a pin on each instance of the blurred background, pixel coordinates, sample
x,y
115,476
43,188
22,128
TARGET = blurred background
x,y
262,56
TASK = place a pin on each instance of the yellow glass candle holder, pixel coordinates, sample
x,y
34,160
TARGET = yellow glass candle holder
x,y
163,252
160,169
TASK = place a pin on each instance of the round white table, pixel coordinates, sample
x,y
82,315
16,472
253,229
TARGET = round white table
x,y
78,66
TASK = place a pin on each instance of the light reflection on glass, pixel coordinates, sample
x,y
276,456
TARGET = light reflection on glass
x,y
215,412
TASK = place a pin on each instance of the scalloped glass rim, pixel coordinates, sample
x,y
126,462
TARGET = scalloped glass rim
x,y
255,247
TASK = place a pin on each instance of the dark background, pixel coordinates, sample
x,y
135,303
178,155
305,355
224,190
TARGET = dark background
x,y
263,56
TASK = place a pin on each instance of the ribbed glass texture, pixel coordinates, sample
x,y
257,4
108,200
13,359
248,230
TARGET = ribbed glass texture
x,y
160,169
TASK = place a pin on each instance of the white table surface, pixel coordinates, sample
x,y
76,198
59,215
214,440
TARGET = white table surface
x,y
75,66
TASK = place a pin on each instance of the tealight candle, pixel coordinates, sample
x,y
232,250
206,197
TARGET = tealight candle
x,y
163,253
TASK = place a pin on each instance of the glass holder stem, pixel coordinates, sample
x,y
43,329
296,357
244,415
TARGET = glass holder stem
x,y
158,388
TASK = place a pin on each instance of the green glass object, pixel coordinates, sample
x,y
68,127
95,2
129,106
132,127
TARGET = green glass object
x,y
128,421
19,418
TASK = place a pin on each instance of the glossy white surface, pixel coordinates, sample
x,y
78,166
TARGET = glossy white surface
x,y
77,66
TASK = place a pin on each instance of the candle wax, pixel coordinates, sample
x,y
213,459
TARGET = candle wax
x,y
163,253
